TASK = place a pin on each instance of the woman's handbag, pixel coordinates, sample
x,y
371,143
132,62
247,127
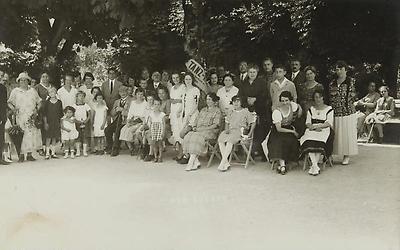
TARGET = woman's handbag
x,y
185,130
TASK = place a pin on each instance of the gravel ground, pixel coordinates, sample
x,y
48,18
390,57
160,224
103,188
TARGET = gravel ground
x,y
100,202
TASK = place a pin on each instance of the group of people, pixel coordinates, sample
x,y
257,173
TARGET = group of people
x,y
287,113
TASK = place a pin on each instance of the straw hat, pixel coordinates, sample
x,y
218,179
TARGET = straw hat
x,y
23,75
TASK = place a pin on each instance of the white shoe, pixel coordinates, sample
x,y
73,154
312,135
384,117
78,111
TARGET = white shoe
x,y
72,155
311,170
346,160
66,155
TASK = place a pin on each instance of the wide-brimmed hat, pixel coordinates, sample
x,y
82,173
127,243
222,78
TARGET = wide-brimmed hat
x,y
23,75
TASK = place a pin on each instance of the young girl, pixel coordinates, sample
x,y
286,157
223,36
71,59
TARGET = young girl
x,y
82,116
52,113
157,130
99,123
68,131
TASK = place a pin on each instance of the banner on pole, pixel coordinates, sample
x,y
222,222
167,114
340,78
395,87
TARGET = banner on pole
x,y
199,74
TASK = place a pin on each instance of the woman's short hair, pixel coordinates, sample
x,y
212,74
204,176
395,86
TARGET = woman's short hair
x,y
312,68
213,97
139,90
232,76
98,94
91,91
237,97
286,94
318,91
88,74
341,64
253,66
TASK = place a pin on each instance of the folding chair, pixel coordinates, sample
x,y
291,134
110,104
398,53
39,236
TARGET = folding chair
x,y
246,143
212,148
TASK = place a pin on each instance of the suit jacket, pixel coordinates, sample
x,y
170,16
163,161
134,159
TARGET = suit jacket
x,y
109,97
3,103
117,104
257,89
299,80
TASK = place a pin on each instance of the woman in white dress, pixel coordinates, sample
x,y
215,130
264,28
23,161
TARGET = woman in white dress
x,y
136,117
318,136
176,95
24,101
189,110
226,93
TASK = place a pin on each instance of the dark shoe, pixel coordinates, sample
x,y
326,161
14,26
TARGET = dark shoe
x,y
41,152
3,162
114,153
379,140
30,158
148,158
133,152
183,160
21,158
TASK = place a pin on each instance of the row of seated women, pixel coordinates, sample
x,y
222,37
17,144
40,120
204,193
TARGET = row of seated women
x,y
283,144
374,110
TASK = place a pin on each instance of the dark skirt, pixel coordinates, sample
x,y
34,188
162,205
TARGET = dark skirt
x,y
282,146
312,146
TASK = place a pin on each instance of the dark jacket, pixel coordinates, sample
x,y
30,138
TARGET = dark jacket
x,y
3,103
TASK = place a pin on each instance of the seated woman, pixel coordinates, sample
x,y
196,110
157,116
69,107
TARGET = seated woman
x,y
318,137
383,111
282,143
135,119
366,106
205,128
236,122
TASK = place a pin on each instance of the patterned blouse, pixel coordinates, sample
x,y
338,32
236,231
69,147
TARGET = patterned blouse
x,y
342,97
208,117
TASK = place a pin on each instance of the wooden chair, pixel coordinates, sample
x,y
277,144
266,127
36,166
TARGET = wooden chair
x,y
246,143
213,150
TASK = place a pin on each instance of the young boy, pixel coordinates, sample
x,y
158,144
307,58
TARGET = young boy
x,y
281,84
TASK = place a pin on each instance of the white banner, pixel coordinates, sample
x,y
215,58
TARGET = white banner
x,y
199,74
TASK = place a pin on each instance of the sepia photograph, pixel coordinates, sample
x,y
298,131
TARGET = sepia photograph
x,y
199,124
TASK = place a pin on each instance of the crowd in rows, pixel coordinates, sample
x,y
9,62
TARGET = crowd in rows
x,y
286,112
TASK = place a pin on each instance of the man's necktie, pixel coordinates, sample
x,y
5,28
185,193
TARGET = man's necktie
x,y
111,86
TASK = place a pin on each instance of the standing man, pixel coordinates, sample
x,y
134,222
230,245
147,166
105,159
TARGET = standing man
x,y
298,77
242,74
155,82
3,115
110,88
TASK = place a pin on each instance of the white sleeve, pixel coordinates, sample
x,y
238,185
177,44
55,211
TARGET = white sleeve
x,y
276,116
329,117
308,119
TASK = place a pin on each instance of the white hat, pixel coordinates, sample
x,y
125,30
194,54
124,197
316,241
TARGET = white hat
x,y
23,75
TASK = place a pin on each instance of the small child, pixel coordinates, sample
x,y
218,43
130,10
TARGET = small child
x,y
157,130
68,131
99,123
82,116
52,113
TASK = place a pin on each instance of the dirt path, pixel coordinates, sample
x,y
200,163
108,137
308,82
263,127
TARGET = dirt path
x,y
120,203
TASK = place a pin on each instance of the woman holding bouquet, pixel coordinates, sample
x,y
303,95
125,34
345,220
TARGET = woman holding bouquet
x,y
24,102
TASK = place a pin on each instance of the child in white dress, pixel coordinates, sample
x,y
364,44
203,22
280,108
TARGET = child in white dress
x,y
99,123
68,131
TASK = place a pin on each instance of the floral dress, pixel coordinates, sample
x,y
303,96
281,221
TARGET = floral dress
x,y
342,97
194,142
26,103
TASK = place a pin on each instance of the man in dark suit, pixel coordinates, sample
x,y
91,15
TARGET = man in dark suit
x,y
119,113
110,88
241,77
297,76
3,115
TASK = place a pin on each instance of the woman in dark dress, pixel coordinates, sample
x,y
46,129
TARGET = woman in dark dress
x,y
282,144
